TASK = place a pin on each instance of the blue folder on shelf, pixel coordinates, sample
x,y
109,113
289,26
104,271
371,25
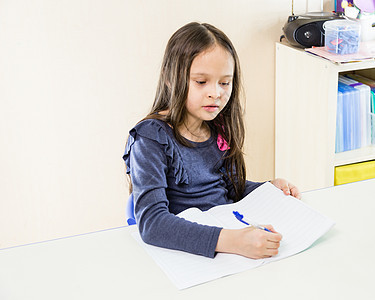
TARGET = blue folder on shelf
x,y
339,146
364,99
371,83
348,127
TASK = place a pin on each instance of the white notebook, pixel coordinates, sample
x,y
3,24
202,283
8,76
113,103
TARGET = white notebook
x,y
299,224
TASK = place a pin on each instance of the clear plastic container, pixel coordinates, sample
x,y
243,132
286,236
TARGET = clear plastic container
x,y
342,36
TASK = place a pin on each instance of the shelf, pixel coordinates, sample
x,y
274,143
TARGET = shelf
x,y
354,156
305,117
341,67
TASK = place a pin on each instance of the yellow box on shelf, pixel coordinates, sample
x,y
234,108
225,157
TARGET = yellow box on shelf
x,y
354,172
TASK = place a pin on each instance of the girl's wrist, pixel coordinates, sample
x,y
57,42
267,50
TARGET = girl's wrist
x,y
226,242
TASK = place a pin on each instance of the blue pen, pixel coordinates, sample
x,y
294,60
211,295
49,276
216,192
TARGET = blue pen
x,y
242,219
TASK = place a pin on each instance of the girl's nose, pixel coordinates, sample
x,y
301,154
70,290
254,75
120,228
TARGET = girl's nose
x,y
214,92
212,96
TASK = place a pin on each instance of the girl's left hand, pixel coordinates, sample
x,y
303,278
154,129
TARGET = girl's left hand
x,y
287,187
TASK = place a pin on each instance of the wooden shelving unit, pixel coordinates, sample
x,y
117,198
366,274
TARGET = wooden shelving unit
x,y
305,117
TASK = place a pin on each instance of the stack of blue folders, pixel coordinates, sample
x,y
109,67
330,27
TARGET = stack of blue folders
x,y
353,122
371,83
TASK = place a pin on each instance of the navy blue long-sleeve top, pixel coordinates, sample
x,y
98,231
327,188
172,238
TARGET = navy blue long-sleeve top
x,y
167,178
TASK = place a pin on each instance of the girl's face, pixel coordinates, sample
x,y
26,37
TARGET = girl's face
x,y
210,85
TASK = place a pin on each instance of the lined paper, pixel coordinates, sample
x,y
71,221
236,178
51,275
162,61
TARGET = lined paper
x,y
299,224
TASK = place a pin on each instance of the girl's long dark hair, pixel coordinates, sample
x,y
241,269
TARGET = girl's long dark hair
x,y
184,45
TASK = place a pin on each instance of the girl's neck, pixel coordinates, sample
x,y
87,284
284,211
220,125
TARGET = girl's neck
x,y
197,132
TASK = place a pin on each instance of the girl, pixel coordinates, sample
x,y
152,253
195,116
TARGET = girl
x,y
187,152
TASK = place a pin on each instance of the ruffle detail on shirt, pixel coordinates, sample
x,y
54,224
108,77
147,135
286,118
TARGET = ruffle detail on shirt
x,y
154,130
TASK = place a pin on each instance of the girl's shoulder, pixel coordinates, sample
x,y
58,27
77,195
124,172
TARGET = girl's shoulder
x,y
158,131
153,129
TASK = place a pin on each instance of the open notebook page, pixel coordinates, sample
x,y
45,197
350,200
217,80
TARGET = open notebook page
x,y
299,224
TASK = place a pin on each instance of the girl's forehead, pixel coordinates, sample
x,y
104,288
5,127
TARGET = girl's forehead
x,y
215,59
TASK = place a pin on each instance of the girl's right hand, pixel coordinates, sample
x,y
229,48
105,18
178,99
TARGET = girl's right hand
x,y
249,242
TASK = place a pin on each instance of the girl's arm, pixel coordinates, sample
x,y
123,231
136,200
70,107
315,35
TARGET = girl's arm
x,y
148,165
287,187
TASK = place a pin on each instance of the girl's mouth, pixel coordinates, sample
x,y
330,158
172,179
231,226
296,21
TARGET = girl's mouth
x,y
211,108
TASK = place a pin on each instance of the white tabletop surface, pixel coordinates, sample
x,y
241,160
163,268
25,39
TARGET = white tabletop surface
x,y
111,265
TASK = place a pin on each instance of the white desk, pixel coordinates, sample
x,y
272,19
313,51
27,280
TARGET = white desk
x,y
111,265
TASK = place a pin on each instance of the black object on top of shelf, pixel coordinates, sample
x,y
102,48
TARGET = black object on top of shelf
x,y
307,30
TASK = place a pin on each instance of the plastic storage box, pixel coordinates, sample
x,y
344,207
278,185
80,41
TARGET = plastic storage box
x,y
342,36
354,172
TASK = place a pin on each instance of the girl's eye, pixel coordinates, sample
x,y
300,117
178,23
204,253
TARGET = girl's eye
x,y
200,82
225,83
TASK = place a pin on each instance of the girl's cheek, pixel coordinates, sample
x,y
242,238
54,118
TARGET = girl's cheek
x,y
226,96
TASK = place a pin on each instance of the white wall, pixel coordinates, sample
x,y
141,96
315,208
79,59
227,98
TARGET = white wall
x,y
75,76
